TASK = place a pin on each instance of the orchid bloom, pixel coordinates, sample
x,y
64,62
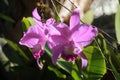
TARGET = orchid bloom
x,y
36,36
70,40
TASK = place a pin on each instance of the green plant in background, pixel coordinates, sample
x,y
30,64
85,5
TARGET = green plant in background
x,y
117,24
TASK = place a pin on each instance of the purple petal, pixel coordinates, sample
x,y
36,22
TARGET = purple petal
x,y
74,19
84,60
63,29
56,53
52,30
84,35
37,55
55,43
36,15
50,21
33,36
49,27
56,40
59,34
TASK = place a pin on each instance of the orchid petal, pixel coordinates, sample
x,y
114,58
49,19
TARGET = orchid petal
x,y
36,15
50,21
55,43
64,30
32,37
37,55
56,40
59,33
52,30
56,50
84,35
84,60
74,19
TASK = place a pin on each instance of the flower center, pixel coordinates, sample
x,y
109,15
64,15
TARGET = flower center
x,y
68,50
37,51
37,48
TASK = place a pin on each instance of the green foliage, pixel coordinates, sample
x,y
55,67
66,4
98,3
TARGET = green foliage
x,y
111,56
88,17
27,22
18,49
117,24
7,18
96,63
57,72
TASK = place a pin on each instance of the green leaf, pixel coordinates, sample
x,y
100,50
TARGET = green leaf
x,y
114,62
102,44
76,71
69,67
57,72
3,57
88,17
111,56
48,50
75,75
16,48
31,21
117,24
114,70
7,18
27,22
96,63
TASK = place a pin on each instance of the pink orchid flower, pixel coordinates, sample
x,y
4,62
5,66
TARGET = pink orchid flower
x,y
70,40
48,27
37,35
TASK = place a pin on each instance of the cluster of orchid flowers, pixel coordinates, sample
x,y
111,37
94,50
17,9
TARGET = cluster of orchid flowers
x,y
63,40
